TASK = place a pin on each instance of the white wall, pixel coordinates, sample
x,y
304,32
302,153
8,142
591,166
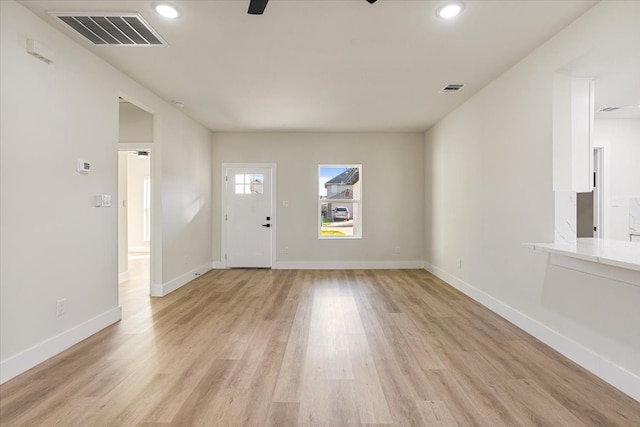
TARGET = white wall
x,y
135,125
622,139
55,243
488,178
186,203
392,191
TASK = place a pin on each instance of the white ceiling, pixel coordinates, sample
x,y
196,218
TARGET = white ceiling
x,y
615,70
309,65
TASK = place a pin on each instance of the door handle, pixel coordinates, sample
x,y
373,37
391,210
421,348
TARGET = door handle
x,y
266,225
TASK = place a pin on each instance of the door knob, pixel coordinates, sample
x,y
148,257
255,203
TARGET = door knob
x,y
266,225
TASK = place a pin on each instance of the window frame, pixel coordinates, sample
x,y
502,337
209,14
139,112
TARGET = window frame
x,y
357,222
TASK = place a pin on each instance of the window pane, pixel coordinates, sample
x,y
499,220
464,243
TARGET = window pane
x,y
339,201
146,209
339,182
339,220
249,183
256,184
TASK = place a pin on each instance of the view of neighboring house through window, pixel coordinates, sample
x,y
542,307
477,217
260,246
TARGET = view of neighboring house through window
x,y
340,201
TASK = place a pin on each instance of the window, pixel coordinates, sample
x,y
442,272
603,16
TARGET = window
x,y
340,201
146,209
249,183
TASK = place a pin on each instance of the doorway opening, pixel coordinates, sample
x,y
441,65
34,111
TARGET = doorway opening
x,y
135,211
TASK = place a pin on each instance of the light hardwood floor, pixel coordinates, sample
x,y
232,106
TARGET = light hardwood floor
x,y
321,348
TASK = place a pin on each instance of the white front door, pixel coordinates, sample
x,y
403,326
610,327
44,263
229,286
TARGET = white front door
x,y
248,220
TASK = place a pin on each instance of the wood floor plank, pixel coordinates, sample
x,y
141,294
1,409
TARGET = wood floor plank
x,y
318,348
290,375
283,414
371,400
436,413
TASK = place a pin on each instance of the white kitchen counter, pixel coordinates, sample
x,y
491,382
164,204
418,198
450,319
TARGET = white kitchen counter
x,y
616,253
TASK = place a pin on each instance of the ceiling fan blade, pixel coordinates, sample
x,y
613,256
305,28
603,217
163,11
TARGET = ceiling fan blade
x,y
256,7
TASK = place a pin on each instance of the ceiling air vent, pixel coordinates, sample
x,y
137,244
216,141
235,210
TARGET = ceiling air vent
x,y
452,88
609,109
113,29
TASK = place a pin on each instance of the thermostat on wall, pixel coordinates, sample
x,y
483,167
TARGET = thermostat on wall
x,y
83,166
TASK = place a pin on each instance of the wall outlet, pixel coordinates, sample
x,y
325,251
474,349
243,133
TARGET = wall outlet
x,y
186,259
61,307
397,249
286,250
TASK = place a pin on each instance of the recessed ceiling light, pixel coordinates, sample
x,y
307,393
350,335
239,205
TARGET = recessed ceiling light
x,y
450,10
166,10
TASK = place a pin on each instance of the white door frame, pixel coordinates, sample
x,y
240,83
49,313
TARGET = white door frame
x,y
223,208
602,203
598,193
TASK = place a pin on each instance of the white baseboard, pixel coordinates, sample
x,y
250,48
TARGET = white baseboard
x,y
123,277
173,284
218,265
156,290
27,359
348,265
620,378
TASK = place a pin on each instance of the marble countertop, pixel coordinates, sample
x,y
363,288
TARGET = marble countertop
x,y
617,253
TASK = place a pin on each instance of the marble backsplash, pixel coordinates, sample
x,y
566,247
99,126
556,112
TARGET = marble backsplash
x,y
565,217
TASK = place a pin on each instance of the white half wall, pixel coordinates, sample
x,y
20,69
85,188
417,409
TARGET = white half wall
x,y
489,189
392,192
55,243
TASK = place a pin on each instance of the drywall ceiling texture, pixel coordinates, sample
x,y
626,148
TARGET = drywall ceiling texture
x,y
318,65
488,178
392,192
55,243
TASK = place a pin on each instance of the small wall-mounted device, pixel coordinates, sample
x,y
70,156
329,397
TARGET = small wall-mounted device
x,y
36,50
103,200
83,166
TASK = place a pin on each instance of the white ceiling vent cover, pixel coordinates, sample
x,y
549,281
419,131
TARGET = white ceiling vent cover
x,y
112,29
452,88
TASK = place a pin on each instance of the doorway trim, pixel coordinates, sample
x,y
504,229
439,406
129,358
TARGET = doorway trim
x,y
223,207
602,191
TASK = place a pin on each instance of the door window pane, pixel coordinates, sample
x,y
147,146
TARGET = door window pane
x,y
249,183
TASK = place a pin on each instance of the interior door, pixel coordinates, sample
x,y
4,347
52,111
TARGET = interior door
x,y
248,217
